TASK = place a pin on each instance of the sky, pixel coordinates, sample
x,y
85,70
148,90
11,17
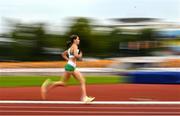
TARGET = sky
x,y
56,11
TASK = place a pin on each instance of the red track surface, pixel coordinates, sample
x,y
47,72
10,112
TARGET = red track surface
x,y
118,92
47,109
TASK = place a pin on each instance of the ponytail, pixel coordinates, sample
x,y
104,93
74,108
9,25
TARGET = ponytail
x,y
68,43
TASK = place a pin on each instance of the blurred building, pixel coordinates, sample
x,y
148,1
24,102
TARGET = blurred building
x,y
168,32
142,23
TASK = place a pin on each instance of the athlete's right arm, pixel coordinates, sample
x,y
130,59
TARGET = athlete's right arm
x,y
64,55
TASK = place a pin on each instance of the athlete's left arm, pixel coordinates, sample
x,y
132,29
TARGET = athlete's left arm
x,y
80,53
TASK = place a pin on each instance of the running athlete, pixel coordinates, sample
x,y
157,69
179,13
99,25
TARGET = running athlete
x,y
71,55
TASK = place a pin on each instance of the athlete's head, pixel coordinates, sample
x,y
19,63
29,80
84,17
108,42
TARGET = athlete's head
x,y
75,39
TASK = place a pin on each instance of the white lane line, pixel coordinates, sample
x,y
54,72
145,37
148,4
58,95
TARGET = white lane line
x,y
95,102
87,107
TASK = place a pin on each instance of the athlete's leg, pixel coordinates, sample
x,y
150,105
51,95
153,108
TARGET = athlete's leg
x,y
48,84
77,75
62,82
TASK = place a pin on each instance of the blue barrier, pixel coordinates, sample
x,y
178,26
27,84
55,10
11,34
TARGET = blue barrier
x,y
160,77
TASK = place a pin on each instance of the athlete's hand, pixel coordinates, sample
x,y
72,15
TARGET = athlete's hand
x,y
80,54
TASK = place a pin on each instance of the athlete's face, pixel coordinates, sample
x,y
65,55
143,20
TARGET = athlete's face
x,y
77,40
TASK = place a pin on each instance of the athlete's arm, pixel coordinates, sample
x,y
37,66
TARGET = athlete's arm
x,y
80,53
64,55
75,48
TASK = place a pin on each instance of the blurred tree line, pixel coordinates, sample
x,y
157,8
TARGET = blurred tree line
x,y
32,42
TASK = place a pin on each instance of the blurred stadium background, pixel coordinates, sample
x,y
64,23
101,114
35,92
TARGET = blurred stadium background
x,y
140,48
131,53
120,48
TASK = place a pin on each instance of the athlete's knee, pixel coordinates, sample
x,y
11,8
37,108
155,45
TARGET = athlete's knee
x,y
61,83
82,80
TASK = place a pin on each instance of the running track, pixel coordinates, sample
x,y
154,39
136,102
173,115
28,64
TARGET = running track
x,y
119,92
